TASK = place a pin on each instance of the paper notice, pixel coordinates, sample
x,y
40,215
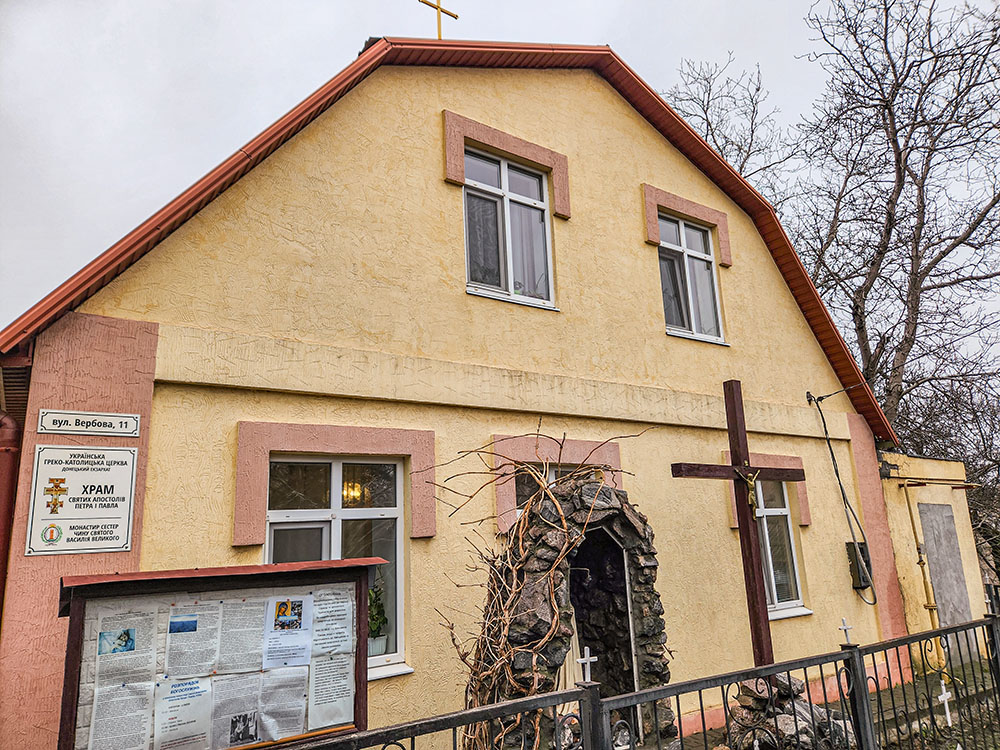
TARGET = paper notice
x,y
333,621
193,639
126,663
287,631
283,702
183,714
331,691
126,647
122,717
240,642
234,709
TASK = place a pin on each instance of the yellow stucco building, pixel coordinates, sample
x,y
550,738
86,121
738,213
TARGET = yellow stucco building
x,y
447,243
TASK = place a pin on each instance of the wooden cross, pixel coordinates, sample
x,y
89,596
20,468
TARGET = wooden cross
x,y
57,489
437,6
744,478
586,660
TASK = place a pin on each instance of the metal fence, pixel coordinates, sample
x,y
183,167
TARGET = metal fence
x,y
938,690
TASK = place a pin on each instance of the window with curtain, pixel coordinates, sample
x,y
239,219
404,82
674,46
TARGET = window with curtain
x,y
687,279
507,230
338,508
774,527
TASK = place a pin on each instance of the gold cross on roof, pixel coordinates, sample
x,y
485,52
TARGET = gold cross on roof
x,y
437,6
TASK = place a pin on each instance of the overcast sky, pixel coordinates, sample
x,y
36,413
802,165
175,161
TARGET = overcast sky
x,y
111,108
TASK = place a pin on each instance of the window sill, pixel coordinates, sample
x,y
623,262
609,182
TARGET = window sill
x,y
695,337
388,670
787,612
500,296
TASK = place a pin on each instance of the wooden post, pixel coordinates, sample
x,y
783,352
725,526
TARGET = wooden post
x,y
753,567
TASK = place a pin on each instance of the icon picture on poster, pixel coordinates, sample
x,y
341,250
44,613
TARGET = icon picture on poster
x,y
243,728
51,534
288,614
116,641
183,624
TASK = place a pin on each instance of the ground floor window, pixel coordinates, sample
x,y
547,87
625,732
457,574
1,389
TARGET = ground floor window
x,y
333,508
777,546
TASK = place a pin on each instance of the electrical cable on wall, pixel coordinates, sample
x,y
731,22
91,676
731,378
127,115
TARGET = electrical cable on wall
x,y
849,511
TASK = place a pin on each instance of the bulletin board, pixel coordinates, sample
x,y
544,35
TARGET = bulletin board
x,y
215,658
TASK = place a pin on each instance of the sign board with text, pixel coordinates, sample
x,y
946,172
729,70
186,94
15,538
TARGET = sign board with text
x,y
55,422
215,657
81,500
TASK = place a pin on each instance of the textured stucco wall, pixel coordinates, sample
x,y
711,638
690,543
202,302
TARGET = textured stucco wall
x,y
191,495
349,236
910,579
87,363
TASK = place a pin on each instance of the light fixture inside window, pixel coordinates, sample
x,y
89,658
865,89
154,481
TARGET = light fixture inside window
x,y
352,493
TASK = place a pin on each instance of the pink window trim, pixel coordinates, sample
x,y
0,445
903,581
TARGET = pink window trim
x,y
256,441
461,131
770,461
655,200
541,449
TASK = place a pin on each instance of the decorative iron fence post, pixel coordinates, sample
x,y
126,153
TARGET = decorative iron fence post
x,y
857,695
992,642
592,722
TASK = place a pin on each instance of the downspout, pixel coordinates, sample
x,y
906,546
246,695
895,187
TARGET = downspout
x,y
10,448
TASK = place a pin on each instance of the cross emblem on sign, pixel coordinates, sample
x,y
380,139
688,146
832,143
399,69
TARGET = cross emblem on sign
x,y
54,490
744,478
586,660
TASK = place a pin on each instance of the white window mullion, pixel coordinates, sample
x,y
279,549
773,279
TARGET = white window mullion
x,y
508,237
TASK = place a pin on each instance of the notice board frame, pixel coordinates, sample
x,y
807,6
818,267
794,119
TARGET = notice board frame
x,y
76,591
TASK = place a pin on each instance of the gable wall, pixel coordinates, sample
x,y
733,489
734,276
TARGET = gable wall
x,y
349,236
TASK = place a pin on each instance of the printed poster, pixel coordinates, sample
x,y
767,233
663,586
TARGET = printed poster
x,y
235,701
183,714
282,711
193,639
288,631
126,665
240,642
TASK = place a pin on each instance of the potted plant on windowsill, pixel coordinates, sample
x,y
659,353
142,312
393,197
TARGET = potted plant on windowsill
x,y
377,640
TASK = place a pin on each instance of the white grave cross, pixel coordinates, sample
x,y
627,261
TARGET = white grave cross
x,y
943,699
586,660
845,627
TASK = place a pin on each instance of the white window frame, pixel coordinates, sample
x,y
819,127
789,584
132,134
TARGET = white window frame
x,y
506,197
333,540
686,253
762,513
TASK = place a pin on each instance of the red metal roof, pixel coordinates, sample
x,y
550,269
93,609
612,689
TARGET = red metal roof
x,y
396,51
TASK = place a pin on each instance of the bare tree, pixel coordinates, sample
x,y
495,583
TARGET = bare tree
x,y
730,110
898,217
890,189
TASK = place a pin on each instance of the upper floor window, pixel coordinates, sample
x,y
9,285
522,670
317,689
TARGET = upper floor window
x,y
508,250
774,528
334,508
687,279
